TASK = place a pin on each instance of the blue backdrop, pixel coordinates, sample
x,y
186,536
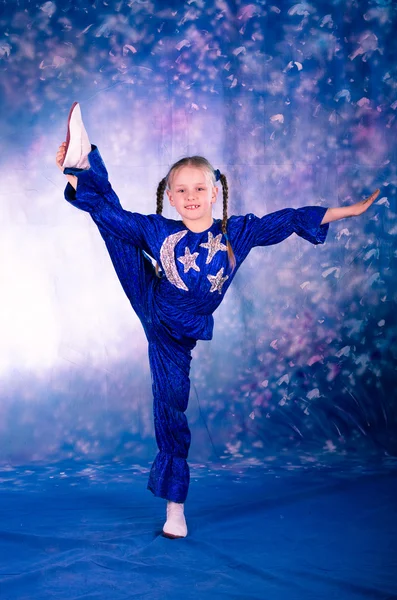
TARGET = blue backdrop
x,y
296,103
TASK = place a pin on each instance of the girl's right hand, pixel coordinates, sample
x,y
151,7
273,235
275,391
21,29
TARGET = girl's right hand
x,y
362,205
61,155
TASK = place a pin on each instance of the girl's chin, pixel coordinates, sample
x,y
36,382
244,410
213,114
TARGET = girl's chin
x,y
193,214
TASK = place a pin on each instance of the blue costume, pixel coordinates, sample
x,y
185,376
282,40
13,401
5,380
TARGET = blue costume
x,y
176,309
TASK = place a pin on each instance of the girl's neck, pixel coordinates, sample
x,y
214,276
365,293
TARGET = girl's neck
x,y
200,225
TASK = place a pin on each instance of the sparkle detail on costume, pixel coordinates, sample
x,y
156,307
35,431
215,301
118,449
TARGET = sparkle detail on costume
x,y
167,257
189,260
217,281
214,244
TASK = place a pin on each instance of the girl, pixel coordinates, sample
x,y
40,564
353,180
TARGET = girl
x,y
196,258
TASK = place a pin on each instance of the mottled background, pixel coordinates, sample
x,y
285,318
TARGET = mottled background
x,y
296,103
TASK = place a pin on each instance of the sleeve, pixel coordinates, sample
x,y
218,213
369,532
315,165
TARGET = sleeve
x,y
251,231
94,194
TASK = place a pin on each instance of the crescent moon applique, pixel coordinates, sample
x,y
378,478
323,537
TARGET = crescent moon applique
x,y
189,261
214,244
217,281
167,258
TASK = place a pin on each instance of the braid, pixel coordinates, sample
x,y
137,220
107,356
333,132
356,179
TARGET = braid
x,y
225,189
160,195
159,209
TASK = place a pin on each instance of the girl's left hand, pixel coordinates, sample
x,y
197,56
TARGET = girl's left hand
x,y
360,207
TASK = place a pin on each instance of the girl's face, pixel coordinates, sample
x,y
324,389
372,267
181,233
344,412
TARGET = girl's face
x,y
193,195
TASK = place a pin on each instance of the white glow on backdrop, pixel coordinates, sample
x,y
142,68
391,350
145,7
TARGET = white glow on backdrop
x,y
28,323
59,294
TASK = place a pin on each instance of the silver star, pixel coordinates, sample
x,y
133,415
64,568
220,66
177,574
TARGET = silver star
x,y
189,260
213,245
217,281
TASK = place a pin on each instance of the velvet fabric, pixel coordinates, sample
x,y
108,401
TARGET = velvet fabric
x,y
177,308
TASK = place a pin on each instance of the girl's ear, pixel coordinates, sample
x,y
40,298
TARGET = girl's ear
x,y
170,197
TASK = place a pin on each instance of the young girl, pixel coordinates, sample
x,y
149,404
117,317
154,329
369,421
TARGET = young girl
x,y
196,257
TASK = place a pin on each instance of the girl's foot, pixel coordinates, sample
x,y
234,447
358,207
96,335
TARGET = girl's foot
x,y
78,145
175,525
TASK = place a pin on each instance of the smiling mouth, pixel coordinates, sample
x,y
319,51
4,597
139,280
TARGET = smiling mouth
x,y
193,206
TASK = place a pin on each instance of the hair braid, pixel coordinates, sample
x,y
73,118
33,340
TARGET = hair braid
x,y
225,189
160,195
159,209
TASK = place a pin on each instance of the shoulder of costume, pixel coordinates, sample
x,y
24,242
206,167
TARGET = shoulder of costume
x,y
238,218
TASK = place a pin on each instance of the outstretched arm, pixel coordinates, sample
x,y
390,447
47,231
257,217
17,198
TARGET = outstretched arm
x,y
309,222
354,210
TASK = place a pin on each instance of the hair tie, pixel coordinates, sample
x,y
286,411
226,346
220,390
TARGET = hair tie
x,y
217,174
225,234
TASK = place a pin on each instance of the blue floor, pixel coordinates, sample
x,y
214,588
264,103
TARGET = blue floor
x,y
254,532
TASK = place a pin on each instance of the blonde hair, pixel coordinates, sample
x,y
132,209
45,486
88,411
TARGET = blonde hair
x,y
202,163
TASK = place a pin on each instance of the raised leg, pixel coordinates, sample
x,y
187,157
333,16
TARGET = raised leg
x,y
135,272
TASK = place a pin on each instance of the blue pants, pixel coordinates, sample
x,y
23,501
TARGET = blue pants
x,y
169,362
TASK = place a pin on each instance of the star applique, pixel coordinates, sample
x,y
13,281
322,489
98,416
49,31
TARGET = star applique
x,y
217,281
189,260
214,244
